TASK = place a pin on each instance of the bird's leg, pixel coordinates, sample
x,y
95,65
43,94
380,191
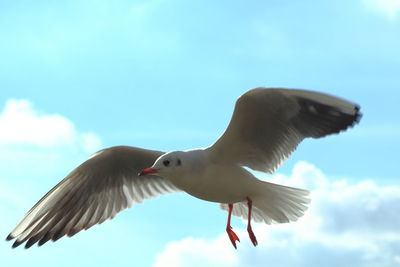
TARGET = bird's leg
x,y
249,230
232,235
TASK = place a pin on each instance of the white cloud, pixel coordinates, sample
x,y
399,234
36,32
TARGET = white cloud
x,y
387,8
36,150
34,145
90,141
196,252
346,225
22,125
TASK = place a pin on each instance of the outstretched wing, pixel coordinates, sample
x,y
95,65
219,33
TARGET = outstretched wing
x,y
268,124
95,191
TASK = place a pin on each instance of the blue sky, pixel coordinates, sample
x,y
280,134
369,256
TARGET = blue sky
x,y
76,76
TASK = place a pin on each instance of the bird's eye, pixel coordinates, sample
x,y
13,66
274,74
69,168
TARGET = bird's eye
x,y
166,163
178,162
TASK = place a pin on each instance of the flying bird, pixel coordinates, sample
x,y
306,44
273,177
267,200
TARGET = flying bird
x,y
266,126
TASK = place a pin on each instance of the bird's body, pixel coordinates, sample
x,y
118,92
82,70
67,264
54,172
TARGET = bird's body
x,y
215,184
209,181
266,127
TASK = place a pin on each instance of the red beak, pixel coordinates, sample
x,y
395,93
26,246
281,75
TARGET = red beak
x,y
147,171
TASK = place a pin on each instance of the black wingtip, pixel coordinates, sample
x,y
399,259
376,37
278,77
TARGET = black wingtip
x,y
358,115
31,242
58,235
317,119
9,237
44,239
16,244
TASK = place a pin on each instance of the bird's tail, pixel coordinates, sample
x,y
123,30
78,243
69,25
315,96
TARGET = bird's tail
x,y
273,203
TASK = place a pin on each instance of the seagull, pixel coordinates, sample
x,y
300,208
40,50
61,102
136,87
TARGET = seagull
x,y
266,126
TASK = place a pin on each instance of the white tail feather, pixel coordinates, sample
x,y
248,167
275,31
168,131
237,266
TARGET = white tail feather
x,y
273,203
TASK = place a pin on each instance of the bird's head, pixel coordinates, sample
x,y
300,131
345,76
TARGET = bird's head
x,y
166,164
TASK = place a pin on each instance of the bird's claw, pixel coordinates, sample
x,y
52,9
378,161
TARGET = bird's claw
x,y
252,236
232,236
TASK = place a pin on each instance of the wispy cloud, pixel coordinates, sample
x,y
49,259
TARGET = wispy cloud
x,y
347,225
388,8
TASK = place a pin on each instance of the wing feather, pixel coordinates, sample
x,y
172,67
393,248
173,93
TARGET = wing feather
x,y
268,123
95,191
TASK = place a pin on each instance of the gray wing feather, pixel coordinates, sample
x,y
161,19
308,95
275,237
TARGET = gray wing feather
x,y
268,124
95,191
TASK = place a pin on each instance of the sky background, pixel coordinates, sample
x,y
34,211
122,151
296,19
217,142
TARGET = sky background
x,y
77,76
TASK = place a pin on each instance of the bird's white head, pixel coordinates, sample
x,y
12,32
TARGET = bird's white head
x,y
172,162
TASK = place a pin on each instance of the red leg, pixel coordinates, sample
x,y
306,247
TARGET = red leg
x,y
249,230
232,235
